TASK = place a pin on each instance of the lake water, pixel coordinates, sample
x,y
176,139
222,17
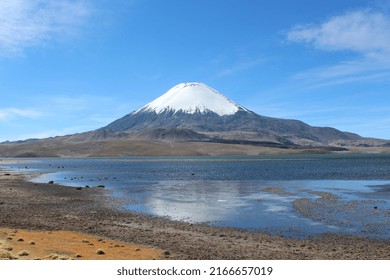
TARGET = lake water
x,y
289,195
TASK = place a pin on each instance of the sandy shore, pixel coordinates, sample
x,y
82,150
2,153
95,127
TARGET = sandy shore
x,y
68,245
89,215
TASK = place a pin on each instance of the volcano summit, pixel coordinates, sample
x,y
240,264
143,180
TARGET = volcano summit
x,y
193,98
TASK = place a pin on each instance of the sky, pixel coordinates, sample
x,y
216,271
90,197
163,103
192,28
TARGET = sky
x,y
69,66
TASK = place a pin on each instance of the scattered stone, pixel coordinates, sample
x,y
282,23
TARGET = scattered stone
x,y
78,188
7,256
138,249
53,256
32,242
78,256
101,186
7,174
23,253
20,239
51,182
7,247
167,253
100,252
85,241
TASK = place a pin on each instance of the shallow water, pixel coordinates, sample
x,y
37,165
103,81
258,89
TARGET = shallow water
x,y
287,195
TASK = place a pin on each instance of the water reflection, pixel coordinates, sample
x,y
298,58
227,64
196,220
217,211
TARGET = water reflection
x,y
250,193
196,202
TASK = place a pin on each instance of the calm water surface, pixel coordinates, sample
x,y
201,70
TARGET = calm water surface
x,y
289,195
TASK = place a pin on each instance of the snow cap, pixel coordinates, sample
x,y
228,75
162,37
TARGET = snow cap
x,y
193,98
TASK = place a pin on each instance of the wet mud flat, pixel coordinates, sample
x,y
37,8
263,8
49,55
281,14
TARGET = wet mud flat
x,y
50,207
371,216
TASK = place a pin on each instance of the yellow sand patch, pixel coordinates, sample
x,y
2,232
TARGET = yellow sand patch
x,y
60,245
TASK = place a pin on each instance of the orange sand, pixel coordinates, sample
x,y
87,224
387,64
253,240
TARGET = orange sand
x,y
67,245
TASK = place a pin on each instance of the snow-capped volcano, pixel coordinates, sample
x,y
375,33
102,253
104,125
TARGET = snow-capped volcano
x,y
201,109
192,98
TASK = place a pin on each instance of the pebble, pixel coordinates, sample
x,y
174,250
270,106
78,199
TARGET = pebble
x,y
100,252
23,253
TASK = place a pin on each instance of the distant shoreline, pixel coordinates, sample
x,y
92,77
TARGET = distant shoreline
x,y
123,147
50,207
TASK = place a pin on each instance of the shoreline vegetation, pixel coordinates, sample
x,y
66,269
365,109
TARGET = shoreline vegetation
x,y
35,213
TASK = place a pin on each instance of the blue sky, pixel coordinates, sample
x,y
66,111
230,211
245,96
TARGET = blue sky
x,y
69,66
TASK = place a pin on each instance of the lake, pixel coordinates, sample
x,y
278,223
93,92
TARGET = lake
x,y
288,195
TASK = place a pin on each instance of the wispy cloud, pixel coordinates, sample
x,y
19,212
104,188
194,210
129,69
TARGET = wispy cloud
x,y
27,23
12,113
364,33
360,31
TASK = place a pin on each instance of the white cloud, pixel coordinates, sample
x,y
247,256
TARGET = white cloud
x,y
26,23
11,113
361,31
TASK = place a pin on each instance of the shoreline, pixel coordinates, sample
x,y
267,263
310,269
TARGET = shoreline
x,y
50,207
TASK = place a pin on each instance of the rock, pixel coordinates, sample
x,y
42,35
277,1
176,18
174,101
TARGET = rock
x,y
7,247
78,188
51,182
100,252
23,253
101,186
7,174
